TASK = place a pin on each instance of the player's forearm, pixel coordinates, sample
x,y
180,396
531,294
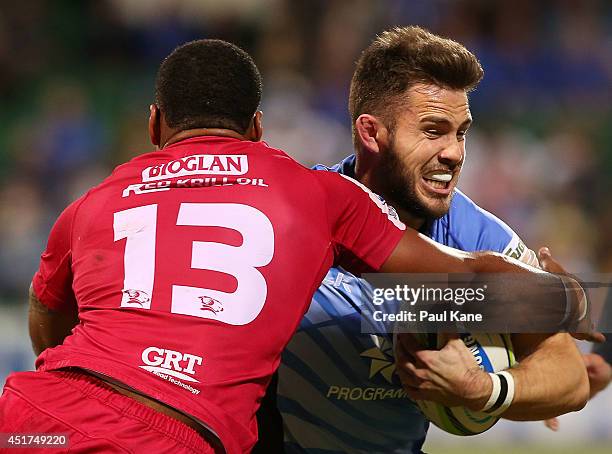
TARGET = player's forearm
x,y
415,253
529,298
514,289
47,328
550,380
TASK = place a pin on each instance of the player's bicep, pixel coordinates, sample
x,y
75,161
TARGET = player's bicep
x,y
363,228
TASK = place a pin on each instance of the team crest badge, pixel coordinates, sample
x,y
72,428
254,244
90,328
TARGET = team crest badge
x,y
137,297
210,304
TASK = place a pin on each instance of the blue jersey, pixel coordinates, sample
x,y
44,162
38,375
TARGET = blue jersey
x,y
337,389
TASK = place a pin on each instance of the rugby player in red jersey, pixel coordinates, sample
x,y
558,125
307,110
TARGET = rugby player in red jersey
x,y
167,293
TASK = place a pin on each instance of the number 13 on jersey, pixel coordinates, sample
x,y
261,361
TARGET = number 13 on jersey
x,y
139,227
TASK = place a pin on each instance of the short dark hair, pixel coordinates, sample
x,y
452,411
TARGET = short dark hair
x,y
402,57
208,83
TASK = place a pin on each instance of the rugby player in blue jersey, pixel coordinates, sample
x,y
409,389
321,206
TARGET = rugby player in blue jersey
x,y
338,390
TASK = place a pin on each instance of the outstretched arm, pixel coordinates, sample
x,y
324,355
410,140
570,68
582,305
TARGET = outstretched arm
x,y
513,287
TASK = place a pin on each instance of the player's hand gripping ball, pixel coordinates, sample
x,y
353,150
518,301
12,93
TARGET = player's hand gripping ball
x,y
490,352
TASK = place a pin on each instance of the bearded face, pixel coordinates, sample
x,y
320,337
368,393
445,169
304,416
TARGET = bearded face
x,y
399,184
419,168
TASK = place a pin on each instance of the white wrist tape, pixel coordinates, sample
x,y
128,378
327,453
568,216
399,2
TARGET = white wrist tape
x,y
494,393
501,395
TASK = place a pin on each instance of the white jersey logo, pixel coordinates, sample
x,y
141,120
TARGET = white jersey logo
x,y
170,362
199,164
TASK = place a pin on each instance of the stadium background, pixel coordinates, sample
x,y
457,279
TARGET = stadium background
x,y
76,81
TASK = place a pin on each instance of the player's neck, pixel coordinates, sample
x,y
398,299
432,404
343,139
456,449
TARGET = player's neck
x,y
177,136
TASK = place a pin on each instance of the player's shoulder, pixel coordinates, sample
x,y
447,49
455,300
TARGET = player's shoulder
x,y
331,180
342,189
474,228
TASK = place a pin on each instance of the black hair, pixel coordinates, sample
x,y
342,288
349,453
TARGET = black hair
x,y
208,83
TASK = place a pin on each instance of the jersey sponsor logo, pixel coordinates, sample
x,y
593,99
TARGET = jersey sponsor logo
x,y
210,304
166,185
380,202
200,164
381,357
164,363
369,393
383,363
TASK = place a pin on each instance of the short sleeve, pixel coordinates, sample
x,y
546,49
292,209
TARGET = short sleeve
x,y
365,230
52,283
473,228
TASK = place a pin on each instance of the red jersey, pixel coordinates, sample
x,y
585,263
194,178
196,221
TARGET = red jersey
x,y
193,265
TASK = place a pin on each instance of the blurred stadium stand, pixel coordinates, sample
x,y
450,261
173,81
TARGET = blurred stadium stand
x,y
77,79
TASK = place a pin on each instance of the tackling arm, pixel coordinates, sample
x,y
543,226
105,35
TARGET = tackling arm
x,y
511,294
49,328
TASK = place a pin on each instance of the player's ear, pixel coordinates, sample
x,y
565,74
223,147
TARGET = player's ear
x,y
154,124
370,132
255,131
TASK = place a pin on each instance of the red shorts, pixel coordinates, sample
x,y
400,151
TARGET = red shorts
x,y
94,417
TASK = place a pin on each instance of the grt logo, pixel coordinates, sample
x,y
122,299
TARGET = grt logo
x,y
161,361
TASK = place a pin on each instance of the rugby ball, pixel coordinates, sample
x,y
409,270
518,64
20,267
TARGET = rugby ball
x,y
493,353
